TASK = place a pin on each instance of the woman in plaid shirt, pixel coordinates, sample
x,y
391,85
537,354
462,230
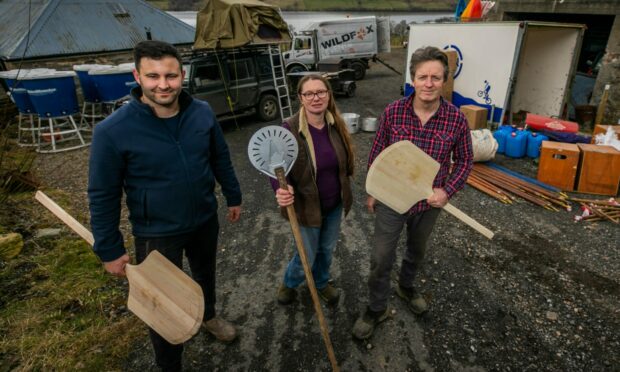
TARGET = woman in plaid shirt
x,y
439,129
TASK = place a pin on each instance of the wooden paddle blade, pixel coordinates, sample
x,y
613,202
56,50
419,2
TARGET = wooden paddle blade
x,y
401,176
165,298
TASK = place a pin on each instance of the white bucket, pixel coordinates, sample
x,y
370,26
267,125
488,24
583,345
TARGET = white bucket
x,y
352,121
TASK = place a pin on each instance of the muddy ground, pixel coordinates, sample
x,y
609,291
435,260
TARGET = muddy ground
x,y
544,294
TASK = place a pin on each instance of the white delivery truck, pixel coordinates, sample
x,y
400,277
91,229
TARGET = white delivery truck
x,y
350,41
506,67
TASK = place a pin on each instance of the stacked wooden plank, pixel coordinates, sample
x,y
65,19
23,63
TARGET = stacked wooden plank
x,y
507,188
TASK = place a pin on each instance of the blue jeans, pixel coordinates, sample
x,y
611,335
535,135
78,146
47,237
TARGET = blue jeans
x,y
319,243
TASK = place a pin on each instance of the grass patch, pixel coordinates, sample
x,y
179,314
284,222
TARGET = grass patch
x,y
59,310
160,4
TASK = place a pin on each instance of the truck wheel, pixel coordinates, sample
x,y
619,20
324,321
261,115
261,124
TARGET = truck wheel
x,y
350,90
360,70
267,108
296,68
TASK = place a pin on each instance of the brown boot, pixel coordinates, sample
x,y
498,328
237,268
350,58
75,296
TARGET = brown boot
x,y
222,330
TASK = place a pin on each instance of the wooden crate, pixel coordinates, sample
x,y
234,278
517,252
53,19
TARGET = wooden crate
x,y
476,116
558,164
599,170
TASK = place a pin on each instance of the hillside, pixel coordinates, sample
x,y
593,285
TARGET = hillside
x,y
327,5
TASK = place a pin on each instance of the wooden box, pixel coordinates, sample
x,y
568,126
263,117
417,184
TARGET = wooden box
x,y
476,116
602,129
558,164
448,86
599,170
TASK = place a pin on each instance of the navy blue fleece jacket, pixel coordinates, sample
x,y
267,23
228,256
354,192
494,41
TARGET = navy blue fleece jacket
x,y
169,182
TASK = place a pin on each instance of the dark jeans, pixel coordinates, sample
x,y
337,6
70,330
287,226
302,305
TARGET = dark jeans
x,y
200,247
388,226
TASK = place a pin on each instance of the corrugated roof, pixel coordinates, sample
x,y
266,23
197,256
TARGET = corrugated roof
x,y
64,27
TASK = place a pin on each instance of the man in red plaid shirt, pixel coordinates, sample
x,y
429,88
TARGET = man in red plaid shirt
x,y
439,129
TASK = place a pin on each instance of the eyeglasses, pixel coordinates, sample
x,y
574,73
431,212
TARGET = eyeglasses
x,y
310,95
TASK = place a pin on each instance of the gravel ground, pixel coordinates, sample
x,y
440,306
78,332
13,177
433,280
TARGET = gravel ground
x,y
542,295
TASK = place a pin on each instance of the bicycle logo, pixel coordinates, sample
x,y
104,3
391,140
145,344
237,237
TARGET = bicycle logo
x,y
485,93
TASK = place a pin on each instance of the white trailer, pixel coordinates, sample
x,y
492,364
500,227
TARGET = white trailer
x,y
351,41
506,66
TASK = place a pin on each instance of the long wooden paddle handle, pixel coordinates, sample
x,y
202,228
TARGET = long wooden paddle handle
x,y
468,220
292,217
65,217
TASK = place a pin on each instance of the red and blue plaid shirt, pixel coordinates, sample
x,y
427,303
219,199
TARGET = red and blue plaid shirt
x,y
444,137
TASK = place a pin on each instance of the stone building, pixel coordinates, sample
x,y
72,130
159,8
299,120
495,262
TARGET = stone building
x,y
61,33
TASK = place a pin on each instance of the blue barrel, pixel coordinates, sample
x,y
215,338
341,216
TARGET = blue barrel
x,y
534,141
113,83
52,94
19,94
89,90
516,144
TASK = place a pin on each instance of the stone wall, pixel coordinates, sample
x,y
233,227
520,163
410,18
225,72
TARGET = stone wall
x,y
610,74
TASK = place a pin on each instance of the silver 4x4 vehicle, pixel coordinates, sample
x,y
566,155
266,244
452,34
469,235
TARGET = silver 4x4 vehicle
x,y
235,82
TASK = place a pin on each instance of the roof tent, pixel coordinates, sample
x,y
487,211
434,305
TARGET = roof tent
x,y
236,23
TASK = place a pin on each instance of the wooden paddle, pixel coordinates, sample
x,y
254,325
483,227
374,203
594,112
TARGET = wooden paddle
x,y
160,294
273,150
402,175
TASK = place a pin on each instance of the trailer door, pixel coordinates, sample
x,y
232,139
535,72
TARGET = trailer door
x,y
546,67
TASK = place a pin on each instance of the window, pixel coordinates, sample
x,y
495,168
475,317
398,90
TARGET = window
x,y
303,43
207,75
240,69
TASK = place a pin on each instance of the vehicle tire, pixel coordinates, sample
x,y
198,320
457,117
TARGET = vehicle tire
x,y
267,108
359,68
296,68
350,90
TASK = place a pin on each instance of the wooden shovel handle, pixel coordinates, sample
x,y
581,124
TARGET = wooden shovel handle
x,y
468,220
292,217
65,217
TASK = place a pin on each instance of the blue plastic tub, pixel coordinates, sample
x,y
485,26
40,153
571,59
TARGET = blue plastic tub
x,y
89,90
19,94
52,94
113,83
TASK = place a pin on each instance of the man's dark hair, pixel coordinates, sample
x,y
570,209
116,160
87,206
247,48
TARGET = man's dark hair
x,y
154,49
427,54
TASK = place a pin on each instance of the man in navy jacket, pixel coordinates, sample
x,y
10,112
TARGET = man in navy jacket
x,y
165,150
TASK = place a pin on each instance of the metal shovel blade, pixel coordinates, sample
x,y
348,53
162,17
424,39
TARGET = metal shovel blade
x,y
272,147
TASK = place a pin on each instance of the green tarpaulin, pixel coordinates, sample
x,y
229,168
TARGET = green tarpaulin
x,y
235,23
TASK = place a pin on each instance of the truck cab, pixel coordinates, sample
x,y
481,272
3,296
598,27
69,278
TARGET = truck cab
x,y
353,41
235,82
302,53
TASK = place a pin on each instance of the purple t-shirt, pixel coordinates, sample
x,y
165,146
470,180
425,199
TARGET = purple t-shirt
x,y
327,171
327,179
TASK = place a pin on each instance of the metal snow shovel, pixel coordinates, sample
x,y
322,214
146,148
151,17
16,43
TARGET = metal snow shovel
x,y
273,150
403,174
160,294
